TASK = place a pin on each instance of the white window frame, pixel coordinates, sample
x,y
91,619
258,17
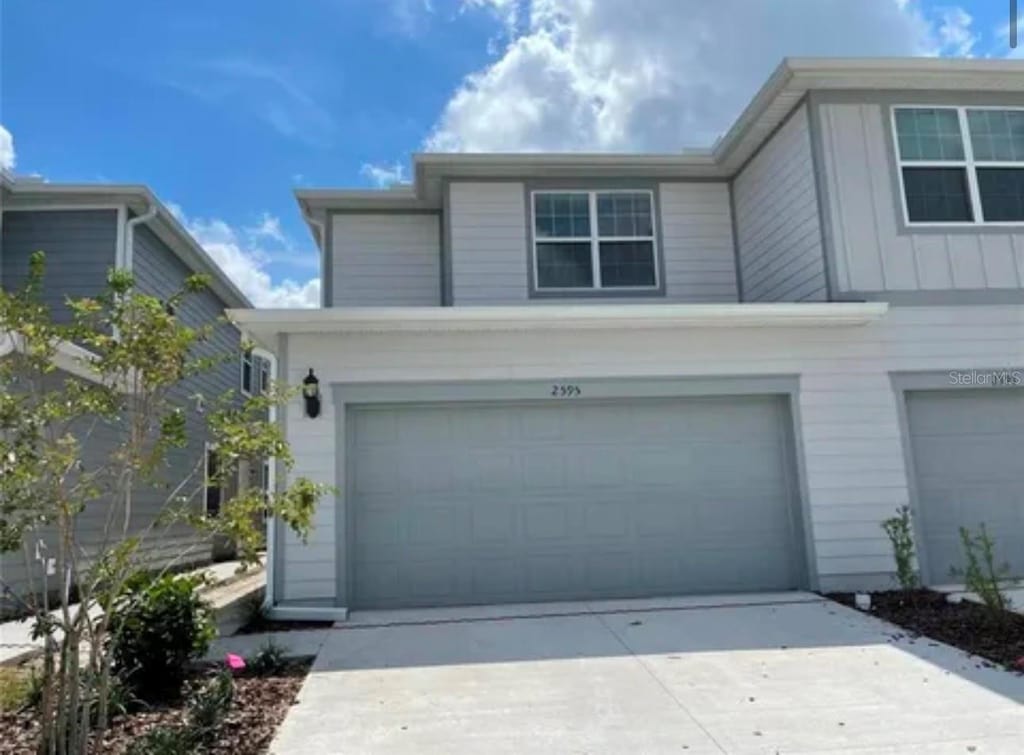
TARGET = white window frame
x,y
595,242
969,164
248,357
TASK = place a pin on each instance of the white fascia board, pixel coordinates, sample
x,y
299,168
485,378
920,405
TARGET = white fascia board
x,y
265,324
68,357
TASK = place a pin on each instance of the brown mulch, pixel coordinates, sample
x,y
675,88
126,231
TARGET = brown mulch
x,y
968,626
260,705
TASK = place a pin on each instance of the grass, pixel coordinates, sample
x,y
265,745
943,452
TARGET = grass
x,y
16,688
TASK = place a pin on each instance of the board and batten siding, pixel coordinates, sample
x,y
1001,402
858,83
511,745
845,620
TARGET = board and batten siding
x,y
385,260
873,251
850,441
80,248
490,254
777,220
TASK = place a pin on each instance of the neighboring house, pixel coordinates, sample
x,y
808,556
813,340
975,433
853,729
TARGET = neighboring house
x,y
566,376
85,231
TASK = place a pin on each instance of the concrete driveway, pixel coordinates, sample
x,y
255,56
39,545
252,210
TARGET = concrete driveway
x,y
767,674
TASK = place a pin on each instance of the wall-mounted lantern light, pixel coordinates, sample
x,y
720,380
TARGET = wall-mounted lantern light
x,y
311,394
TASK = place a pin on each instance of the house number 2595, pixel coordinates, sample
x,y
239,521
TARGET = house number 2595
x,y
565,390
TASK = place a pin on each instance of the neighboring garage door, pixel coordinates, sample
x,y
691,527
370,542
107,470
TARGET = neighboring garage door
x,y
968,449
515,502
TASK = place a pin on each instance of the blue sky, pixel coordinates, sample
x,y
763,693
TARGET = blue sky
x,y
224,107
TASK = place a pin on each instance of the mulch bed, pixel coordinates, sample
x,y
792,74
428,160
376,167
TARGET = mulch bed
x,y
965,625
259,707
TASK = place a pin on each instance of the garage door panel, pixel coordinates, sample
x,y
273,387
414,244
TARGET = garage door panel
x,y
966,448
570,501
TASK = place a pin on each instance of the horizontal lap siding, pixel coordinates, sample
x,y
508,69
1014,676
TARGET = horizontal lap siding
x,y
849,422
80,249
386,260
159,272
490,255
872,253
488,243
777,220
697,243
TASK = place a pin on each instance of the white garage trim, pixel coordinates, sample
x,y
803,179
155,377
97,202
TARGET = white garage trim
x,y
346,395
939,381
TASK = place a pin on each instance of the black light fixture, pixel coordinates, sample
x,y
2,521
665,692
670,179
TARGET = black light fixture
x,y
311,394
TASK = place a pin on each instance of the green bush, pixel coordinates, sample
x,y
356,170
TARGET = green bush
x,y
982,574
270,659
158,627
901,535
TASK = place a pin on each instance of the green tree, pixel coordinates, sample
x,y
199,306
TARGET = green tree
x,y
139,354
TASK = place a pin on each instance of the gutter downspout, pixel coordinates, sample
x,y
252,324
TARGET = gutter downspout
x,y
126,264
321,228
129,234
269,599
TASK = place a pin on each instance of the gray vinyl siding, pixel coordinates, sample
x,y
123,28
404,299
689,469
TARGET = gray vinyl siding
x,y
488,243
80,248
873,249
159,272
385,260
490,246
777,220
696,242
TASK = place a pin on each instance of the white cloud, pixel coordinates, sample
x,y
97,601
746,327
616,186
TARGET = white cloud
x,y
6,149
658,74
384,176
245,263
955,32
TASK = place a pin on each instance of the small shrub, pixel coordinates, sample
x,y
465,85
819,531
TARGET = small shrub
x,y
158,627
164,740
208,706
982,574
269,660
20,689
900,531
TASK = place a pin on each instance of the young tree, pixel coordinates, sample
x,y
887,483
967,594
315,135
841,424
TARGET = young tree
x,y
139,355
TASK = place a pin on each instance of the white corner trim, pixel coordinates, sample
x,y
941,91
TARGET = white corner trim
x,y
119,248
263,323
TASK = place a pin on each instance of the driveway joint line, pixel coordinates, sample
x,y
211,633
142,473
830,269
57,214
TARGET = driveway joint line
x,y
589,610
660,683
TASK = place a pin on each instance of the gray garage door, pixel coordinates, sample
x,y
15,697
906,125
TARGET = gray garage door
x,y
968,448
492,503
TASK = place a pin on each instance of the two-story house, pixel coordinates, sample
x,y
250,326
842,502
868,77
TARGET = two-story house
x,y
85,231
570,376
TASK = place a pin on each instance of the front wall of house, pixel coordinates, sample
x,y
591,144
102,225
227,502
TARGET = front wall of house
x,y
490,254
80,248
777,220
384,259
850,443
872,248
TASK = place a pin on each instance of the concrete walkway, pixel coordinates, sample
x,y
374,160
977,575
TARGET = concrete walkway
x,y
228,588
797,675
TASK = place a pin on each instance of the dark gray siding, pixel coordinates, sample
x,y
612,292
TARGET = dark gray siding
x,y
80,249
159,272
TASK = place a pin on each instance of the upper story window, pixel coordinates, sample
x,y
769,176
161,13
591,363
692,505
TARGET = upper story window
x,y
255,374
961,165
594,240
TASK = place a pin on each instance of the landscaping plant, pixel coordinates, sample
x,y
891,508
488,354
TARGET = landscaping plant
x,y
138,356
160,624
269,660
982,574
900,531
